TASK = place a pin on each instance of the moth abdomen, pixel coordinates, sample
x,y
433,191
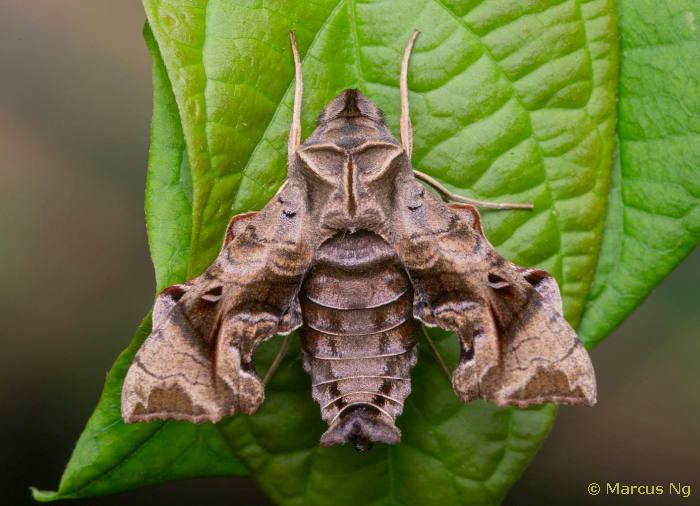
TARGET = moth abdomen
x,y
359,338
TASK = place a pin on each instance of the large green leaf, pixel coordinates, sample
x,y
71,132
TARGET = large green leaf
x,y
654,216
511,101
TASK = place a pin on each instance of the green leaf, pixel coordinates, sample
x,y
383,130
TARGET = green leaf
x,y
654,213
511,101
110,455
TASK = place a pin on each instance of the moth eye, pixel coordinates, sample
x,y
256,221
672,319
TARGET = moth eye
x,y
289,213
497,282
213,295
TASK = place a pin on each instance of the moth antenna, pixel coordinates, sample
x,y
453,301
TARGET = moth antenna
x,y
295,131
406,127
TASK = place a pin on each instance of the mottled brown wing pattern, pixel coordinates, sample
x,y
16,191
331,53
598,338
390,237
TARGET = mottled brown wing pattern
x,y
198,362
517,348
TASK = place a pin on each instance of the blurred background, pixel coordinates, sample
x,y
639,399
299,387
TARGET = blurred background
x,y
75,105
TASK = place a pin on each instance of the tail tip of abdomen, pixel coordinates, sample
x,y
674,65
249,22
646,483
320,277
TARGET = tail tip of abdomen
x,y
361,425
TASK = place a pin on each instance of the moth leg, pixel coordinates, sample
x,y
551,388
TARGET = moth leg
x,y
284,347
436,353
448,196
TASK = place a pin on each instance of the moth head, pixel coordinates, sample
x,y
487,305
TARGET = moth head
x,y
351,104
350,164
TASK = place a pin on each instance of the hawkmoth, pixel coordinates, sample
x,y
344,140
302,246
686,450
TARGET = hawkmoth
x,y
356,254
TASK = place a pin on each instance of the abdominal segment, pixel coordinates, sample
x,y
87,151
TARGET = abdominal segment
x,y
359,339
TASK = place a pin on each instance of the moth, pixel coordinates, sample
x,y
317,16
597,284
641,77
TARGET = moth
x,y
355,254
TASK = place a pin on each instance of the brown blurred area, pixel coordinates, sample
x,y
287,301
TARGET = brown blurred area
x,y
75,104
